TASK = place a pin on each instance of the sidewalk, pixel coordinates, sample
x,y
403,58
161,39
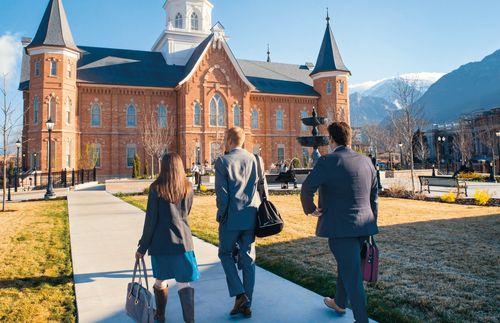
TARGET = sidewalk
x,y
104,233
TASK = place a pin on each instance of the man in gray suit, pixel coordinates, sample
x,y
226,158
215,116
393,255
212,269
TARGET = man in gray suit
x,y
347,214
236,179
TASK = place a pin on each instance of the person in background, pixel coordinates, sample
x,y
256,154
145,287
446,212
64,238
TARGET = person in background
x,y
196,172
167,236
347,214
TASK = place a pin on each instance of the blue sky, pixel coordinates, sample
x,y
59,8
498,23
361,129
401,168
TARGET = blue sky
x,y
377,39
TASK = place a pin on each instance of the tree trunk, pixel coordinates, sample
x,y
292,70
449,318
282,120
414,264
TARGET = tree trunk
x,y
4,168
152,166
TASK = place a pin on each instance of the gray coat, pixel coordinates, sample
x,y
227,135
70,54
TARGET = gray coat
x,y
347,184
166,228
236,188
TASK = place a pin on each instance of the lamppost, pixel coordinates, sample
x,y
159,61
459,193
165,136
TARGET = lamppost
x,y
433,170
198,162
16,178
50,189
401,154
439,140
498,146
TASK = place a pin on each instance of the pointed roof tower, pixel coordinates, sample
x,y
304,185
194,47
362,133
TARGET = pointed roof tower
x,y
329,58
54,29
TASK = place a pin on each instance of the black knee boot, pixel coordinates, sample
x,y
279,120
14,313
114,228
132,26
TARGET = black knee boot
x,y
187,302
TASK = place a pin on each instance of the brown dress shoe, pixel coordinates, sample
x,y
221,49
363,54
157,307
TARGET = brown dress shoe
x,y
247,312
240,304
330,303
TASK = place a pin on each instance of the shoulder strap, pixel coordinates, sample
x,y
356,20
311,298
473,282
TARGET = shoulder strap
x,y
260,185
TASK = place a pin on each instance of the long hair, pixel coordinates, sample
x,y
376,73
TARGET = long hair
x,y
172,183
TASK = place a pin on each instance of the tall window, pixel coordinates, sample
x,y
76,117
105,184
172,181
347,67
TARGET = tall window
x,y
36,107
131,117
96,115
131,150
68,154
329,87
68,110
37,69
279,120
97,153
53,68
281,153
194,21
341,87
217,111
52,109
178,21
237,116
255,119
197,114
69,70
303,115
162,117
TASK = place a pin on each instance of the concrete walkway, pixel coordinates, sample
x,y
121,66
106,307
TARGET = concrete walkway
x,y
104,233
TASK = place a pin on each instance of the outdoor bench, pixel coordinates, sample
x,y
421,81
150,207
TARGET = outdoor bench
x,y
442,181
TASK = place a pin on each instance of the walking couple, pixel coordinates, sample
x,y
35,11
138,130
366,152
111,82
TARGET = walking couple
x,y
347,214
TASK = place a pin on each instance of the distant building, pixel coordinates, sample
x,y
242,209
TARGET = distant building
x,y
191,80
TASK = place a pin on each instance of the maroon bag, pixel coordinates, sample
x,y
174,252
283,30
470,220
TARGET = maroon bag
x,y
369,260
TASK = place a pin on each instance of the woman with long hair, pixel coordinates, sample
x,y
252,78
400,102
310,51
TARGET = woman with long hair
x,y
167,236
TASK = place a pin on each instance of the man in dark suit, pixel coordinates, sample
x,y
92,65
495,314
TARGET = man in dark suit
x,y
236,178
347,214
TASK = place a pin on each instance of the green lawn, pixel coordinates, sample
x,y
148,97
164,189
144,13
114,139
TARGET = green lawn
x,y
439,262
36,282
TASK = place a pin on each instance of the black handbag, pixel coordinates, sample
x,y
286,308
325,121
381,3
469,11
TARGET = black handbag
x,y
139,302
269,221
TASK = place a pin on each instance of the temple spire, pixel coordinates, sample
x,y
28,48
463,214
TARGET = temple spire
x,y
54,28
268,54
329,58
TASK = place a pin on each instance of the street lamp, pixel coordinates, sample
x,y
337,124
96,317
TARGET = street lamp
x,y
440,139
50,189
16,178
401,154
498,136
34,166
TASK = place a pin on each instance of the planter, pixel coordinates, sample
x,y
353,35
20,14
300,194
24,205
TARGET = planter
x,y
389,174
208,179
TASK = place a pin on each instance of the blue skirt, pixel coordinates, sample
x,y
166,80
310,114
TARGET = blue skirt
x,y
183,268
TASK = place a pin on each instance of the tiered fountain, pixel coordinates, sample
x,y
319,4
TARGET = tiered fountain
x,y
315,141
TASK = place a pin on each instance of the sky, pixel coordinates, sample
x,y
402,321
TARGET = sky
x,y
377,39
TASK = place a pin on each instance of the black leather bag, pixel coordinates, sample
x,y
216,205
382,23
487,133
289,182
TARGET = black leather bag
x,y
269,221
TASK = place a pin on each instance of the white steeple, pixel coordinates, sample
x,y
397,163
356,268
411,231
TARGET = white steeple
x,y
188,23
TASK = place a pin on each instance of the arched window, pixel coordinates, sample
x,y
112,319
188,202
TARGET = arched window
x,y
303,115
194,21
215,151
131,118
279,120
68,110
37,69
197,114
217,111
69,70
96,115
237,116
36,107
255,119
162,117
329,87
52,109
68,153
178,21
341,87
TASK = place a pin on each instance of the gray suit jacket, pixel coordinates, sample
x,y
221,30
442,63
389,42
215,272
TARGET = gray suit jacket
x,y
347,184
236,181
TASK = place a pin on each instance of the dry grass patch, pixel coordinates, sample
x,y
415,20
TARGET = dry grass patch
x,y
35,267
439,262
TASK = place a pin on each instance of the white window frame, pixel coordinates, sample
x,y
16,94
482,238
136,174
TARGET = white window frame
x,y
178,21
68,110
195,22
68,154
341,87
329,87
128,116
53,68
255,119
279,119
197,113
53,109
218,106
69,70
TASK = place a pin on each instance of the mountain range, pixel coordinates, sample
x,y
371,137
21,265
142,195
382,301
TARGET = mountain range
x,y
444,97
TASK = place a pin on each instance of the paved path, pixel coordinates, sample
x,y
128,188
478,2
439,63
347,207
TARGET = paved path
x,y
104,234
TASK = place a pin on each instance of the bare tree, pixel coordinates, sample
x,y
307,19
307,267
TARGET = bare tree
x,y
89,157
157,135
463,140
408,118
420,146
487,133
8,123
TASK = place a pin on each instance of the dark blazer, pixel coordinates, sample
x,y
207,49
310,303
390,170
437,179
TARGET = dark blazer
x,y
166,229
236,179
347,184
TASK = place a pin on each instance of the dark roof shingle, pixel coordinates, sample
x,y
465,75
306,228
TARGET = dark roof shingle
x,y
329,58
